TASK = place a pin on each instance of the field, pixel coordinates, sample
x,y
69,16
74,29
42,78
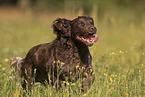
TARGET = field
x,y
118,56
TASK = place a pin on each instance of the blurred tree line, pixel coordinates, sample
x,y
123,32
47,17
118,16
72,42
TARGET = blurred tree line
x,y
73,6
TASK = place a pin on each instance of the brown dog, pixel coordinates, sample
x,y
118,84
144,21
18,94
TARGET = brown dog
x,y
67,56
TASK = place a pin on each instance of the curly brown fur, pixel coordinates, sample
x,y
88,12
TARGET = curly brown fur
x,y
67,57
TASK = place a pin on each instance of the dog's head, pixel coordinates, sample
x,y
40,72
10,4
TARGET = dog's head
x,y
83,29
62,27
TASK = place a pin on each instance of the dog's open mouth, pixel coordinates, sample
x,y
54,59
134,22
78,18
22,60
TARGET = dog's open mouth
x,y
88,39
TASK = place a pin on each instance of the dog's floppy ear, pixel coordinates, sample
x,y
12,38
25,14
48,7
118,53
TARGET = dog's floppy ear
x,y
62,27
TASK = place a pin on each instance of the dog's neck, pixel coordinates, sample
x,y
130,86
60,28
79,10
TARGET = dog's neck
x,y
71,42
76,47
83,51
65,41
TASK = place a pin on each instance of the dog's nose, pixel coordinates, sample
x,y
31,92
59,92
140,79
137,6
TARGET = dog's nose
x,y
93,29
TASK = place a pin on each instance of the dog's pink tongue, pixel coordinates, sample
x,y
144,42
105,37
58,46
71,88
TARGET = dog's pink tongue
x,y
94,37
91,37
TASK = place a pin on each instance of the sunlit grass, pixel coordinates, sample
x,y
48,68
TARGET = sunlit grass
x,y
118,57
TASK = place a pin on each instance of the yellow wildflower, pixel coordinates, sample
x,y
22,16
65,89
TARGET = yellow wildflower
x,y
109,90
126,94
70,73
35,71
83,68
58,61
77,66
112,75
64,81
67,83
121,82
121,52
113,53
85,94
53,62
111,80
62,63
105,74
91,70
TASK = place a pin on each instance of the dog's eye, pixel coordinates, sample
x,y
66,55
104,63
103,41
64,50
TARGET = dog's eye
x,y
81,23
92,23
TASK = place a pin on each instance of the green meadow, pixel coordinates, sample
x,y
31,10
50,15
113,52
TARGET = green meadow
x,y
118,56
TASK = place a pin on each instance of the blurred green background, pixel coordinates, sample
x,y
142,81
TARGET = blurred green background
x,y
25,23
118,55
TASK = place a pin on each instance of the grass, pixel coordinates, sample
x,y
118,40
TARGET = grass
x,y
118,56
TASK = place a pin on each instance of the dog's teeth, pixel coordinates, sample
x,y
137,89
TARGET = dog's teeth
x,y
83,38
91,41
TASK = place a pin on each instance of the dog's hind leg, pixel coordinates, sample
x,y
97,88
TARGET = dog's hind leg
x,y
27,74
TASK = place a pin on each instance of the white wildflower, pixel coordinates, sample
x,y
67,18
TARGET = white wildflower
x,y
6,60
10,77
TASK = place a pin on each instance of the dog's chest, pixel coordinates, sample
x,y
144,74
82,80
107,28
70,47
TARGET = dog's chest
x,y
72,56
66,54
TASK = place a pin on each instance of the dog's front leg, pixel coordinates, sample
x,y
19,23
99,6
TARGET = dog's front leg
x,y
88,79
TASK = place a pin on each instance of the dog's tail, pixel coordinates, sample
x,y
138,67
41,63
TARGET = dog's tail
x,y
16,63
